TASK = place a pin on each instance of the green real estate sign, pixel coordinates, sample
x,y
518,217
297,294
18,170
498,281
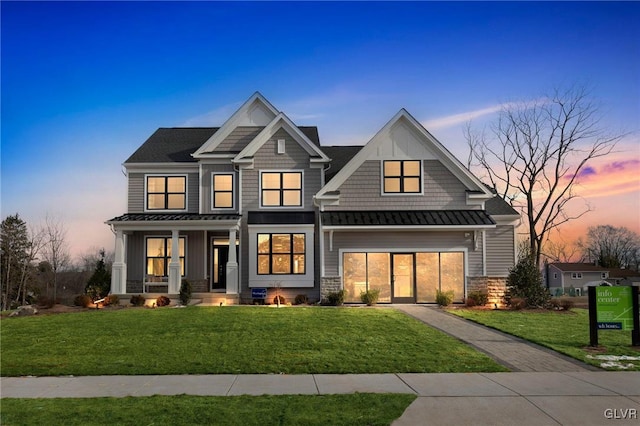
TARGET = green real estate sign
x,y
614,307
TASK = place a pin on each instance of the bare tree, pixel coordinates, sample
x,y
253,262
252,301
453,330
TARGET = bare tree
x,y
36,243
611,247
56,250
536,152
558,250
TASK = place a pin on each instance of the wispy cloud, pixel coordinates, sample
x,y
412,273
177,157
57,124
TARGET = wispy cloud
x,y
463,117
214,117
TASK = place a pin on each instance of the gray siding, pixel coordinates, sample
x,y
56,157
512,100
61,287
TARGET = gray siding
x,y
436,241
205,186
239,138
136,192
362,190
267,158
500,250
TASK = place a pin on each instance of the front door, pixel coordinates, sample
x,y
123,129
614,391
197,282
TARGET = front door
x,y
403,278
220,256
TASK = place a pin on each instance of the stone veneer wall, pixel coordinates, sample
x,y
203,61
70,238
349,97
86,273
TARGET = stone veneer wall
x,y
496,287
329,285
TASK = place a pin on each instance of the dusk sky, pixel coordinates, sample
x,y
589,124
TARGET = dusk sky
x,y
84,84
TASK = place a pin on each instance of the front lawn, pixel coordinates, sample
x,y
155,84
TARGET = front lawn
x,y
352,409
565,332
231,340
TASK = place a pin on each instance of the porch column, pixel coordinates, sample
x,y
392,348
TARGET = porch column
x,y
174,264
119,268
232,264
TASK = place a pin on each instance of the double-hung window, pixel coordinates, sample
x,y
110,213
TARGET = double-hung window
x,y
222,196
281,254
166,192
281,189
402,177
159,255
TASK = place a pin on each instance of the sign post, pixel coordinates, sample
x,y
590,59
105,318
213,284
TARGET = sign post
x,y
613,308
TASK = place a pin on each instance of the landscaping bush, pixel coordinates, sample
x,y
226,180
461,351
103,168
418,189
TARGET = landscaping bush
x,y
477,298
517,303
525,282
82,300
137,300
554,304
185,292
163,301
301,299
566,304
46,302
336,298
279,300
370,297
444,298
112,300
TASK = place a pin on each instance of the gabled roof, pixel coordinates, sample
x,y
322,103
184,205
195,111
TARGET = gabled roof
x,y
281,121
427,139
578,267
497,206
256,111
339,155
172,145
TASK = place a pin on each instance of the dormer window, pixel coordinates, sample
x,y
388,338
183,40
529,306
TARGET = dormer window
x,y
281,189
166,192
402,177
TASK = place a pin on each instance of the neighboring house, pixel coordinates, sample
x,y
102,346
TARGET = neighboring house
x,y
260,203
563,277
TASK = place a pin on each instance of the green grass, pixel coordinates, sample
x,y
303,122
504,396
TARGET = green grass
x,y
231,340
352,409
565,332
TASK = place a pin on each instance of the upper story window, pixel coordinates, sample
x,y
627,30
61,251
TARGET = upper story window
x,y
604,275
166,192
281,254
281,189
222,187
576,275
159,255
402,177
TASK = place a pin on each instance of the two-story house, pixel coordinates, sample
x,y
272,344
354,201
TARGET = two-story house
x,y
565,278
260,203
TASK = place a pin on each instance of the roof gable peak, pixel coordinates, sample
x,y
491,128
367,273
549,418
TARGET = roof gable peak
x,y
255,111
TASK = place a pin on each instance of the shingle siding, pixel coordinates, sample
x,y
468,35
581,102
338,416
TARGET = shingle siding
x,y
362,191
500,250
239,138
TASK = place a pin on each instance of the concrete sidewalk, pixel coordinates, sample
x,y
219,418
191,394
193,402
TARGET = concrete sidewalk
x,y
584,398
512,352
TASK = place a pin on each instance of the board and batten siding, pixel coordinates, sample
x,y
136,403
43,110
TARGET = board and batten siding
x,y
136,191
206,189
399,241
194,256
442,190
500,250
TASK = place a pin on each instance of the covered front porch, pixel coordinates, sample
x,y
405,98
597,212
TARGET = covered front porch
x,y
154,253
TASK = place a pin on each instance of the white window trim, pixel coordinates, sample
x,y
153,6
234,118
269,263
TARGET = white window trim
x,y
233,191
401,194
604,275
301,206
144,263
576,275
186,193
